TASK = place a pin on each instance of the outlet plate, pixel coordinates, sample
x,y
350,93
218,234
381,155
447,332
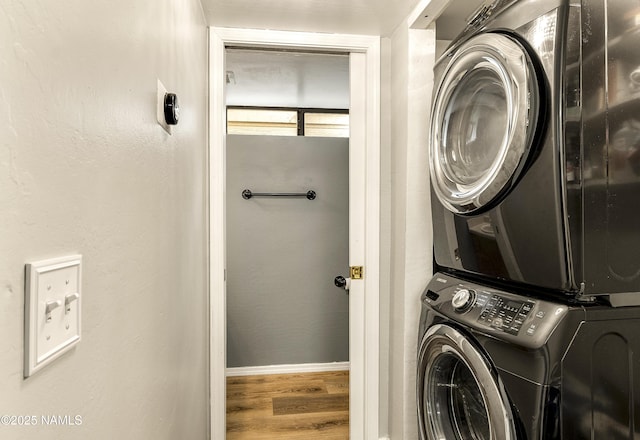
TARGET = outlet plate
x,y
52,310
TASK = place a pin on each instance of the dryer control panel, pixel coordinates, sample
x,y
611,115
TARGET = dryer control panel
x,y
526,321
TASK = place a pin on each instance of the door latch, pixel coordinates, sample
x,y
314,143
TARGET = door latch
x,y
356,272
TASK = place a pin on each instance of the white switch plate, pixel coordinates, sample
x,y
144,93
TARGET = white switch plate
x,y
162,90
52,310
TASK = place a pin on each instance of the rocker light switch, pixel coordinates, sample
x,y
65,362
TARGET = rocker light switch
x,y
52,310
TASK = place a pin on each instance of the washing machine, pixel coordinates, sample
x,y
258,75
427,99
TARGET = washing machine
x,y
494,365
534,148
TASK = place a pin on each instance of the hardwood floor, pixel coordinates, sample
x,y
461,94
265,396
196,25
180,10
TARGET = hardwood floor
x,y
305,406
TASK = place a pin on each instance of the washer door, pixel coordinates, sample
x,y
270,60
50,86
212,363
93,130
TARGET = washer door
x,y
483,123
459,398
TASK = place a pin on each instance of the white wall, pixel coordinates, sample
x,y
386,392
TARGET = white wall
x,y
412,55
84,168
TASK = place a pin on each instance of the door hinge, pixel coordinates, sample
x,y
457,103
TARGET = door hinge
x,y
356,272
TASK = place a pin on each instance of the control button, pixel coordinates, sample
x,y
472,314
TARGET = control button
x,y
463,300
497,322
532,329
481,299
433,296
540,314
526,308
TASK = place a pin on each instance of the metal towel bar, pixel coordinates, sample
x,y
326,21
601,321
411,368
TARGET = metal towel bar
x,y
247,194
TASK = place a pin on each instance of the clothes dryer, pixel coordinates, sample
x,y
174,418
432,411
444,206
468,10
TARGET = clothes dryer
x,y
534,149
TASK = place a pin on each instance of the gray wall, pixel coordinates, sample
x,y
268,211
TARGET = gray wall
x,y
84,168
282,255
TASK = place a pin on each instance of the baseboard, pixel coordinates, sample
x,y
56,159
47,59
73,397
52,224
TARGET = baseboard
x,y
287,369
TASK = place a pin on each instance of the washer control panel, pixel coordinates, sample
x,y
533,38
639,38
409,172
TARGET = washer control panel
x,y
503,313
510,316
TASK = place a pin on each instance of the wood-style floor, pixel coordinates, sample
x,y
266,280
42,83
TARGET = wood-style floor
x,y
305,406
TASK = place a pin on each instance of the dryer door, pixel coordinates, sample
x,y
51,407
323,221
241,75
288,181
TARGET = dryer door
x,y
483,123
459,395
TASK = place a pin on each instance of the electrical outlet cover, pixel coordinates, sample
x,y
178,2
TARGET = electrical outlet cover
x,y
52,310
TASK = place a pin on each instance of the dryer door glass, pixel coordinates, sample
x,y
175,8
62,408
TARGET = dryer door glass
x,y
459,396
485,112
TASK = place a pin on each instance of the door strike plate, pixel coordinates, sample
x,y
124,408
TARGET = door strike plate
x,y
356,272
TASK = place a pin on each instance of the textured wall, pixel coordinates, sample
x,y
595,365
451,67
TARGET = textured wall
x,y
282,254
412,58
84,168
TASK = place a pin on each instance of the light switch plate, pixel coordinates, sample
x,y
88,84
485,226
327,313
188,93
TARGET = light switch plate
x,y
52,310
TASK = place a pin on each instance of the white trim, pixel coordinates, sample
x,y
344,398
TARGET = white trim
x,y
287,369
217,244
287,39
372,240
364,422
357,242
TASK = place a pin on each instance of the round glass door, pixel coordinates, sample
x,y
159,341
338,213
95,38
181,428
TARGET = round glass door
x,y
458,396
485,112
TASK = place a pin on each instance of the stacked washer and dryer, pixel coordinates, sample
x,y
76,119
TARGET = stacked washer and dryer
x,y
530,328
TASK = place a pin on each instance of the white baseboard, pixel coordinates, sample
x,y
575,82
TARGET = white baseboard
x,y
287,369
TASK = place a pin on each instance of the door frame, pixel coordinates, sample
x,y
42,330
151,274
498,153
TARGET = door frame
x,y
364,300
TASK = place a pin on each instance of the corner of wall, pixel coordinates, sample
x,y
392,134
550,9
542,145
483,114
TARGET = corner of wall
x,y
412,84
385,232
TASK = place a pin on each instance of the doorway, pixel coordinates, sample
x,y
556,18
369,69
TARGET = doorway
x,y
287,215
364,195
287,145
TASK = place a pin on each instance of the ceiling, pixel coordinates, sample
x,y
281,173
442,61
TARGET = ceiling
x,y
366,17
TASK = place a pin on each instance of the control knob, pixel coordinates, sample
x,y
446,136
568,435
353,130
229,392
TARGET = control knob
x,y
463,300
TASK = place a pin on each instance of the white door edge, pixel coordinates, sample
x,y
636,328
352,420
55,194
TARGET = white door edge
x,y
364,305
357,225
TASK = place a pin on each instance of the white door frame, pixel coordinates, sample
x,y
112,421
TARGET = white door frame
x,y
364,149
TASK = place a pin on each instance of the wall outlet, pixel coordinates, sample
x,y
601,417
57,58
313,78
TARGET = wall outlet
x,y
52,310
